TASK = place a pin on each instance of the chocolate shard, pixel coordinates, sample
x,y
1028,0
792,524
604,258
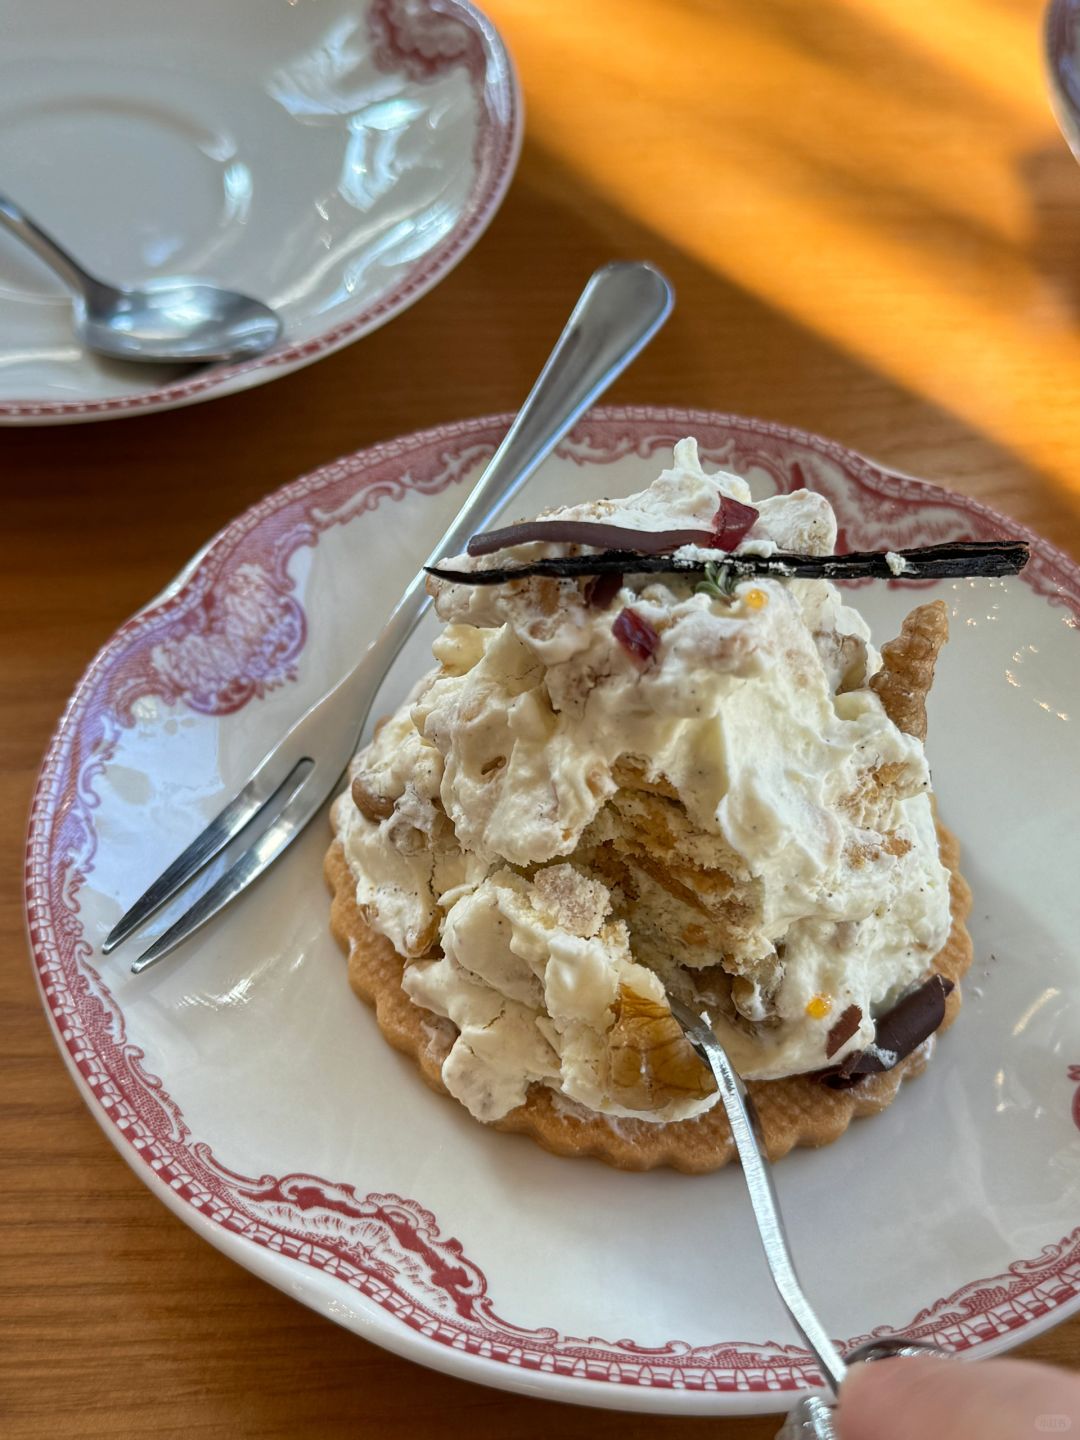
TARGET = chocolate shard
x,y
913,1018
588,532
842,1030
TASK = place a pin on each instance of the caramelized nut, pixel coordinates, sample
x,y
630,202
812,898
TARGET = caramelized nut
x,y
652,1062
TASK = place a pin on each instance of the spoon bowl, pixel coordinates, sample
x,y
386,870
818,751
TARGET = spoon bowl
x,y
175,321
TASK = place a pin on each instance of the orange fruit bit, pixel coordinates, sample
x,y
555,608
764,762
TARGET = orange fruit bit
x,y
819,1007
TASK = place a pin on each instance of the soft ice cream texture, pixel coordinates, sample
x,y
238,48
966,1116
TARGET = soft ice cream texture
x,y
755,710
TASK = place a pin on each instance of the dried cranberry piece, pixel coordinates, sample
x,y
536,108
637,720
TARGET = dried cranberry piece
x,y
732,522
635,635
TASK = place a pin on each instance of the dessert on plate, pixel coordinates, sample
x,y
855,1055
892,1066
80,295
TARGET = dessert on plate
x,y
620,786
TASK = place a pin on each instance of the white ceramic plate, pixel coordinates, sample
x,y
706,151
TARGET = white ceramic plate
x,y
254,1094
334,158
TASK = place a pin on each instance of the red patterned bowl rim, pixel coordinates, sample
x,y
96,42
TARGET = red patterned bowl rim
x,y
398,27
444,1312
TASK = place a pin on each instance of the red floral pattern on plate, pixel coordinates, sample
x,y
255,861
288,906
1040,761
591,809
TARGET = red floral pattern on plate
x,y
229,628
424,40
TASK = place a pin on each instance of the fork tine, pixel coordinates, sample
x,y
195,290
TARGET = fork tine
x,y
224,827
300,803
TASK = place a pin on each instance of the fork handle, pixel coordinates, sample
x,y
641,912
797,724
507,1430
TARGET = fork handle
x,y
620,310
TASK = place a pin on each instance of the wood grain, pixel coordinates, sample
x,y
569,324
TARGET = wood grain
x,y
872,225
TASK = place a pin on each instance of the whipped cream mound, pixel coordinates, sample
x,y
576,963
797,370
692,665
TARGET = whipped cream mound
x,y
554,831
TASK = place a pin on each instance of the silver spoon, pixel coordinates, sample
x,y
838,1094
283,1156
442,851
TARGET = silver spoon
x,y
178,321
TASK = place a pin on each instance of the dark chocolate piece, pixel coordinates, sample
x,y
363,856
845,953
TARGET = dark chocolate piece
x,y
923,562
588,532
913,1018
732,522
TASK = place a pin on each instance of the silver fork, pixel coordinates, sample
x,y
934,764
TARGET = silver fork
x,y
811,1419
620,310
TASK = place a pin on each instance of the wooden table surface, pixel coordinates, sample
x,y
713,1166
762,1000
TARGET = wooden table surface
x,y
874,230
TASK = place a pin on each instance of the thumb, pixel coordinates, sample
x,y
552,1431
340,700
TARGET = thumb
x,y
995,1400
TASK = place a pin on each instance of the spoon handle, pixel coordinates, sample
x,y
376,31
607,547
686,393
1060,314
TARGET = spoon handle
x,y
619,311
16,220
